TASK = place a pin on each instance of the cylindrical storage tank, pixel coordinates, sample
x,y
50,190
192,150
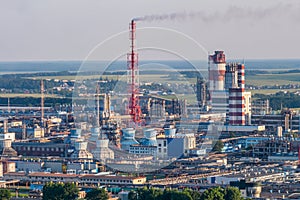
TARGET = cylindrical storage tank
x,y
128,138
150,133
128,133
149,137
170,132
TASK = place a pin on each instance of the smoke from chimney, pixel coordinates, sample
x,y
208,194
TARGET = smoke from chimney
x,y
232,13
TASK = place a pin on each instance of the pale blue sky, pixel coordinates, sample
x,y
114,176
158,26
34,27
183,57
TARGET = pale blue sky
x,y
70,29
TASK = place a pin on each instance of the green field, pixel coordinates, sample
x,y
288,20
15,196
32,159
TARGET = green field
x,y
271,91
273,79
143,78
256,80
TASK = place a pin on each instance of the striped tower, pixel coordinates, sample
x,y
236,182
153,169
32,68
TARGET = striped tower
x,y
237,99
217,93
217,64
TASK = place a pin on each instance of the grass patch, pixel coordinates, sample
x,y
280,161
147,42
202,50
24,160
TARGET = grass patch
x,y
273,79
271,91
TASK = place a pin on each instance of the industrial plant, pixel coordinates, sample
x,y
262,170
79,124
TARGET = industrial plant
x,y
154,138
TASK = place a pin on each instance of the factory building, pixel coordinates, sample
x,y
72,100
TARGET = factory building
x,y
288,120
260,107
81,180
227,89
175,146
40,149
201,88
268,148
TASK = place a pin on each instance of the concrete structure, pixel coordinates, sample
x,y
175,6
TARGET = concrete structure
x,y
201,89
216,71
81,180
148,144
248,107
170,132
251,141
81,151
283,157
288,121
175,147
29,166
40,149
6,148
35,132
237,96
218,94
7,136
268,148
8,166
143,150
102,151
220,101
128,138
149,137
260,107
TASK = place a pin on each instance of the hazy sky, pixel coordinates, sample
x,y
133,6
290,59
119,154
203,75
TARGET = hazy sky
x,y
70,29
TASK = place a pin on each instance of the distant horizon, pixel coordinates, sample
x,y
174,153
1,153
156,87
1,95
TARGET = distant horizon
x,y
121,65
146,60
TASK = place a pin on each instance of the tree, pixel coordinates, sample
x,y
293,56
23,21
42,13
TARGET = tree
x,y
70,191
60,191
148,194
167,194
232,193
53,191
97,194
218,146
216,193
5,194
194,194
176,195
132,195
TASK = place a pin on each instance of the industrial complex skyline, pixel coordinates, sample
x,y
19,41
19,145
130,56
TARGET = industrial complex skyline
x,y
69,30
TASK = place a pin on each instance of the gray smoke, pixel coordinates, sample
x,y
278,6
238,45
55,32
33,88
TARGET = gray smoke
x,y
232,13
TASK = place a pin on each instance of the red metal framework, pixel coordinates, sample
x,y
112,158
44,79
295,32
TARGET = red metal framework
x,y
133,77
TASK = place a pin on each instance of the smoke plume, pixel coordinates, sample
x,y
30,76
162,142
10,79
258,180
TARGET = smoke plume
x,y
232,13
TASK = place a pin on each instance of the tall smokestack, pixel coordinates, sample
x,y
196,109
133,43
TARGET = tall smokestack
x,y
133,76
237,99
217,65
241,76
